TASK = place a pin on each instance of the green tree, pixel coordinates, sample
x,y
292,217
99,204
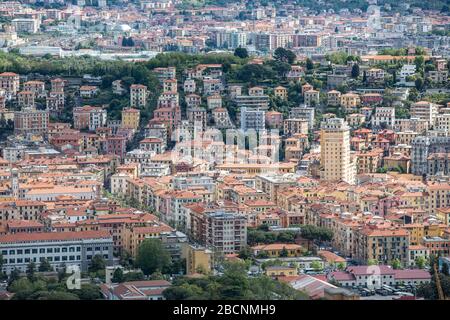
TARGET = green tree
x,y
309,64
241,53
14,275
372,262
284,253
284,55
317,266
117,276
341,266
21,285
55,295
152,256
88,292
419,61
420,262
133,276
107,81
245,253
419,83
396,264
31,269
444,269
355,71
98,263
45,266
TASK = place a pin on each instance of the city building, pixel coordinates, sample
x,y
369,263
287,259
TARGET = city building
x,y
335,151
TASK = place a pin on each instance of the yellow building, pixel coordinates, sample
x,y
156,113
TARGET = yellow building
x,y
134,236
280,271
350,102
254,168
276,250
130,118
198,259
443,214
280,92
382,245
335,151
438,196
333,98
416,233
311,98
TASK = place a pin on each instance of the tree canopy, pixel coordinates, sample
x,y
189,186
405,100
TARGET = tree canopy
x,y
152,256
233,284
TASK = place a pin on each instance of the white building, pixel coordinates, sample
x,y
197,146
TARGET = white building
x,y
60,249
252,119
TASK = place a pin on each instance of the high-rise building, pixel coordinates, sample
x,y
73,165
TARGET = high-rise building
x,y
422,147
138,95
252,119
336,161
226,232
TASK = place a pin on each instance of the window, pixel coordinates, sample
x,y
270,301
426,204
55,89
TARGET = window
x,y
49,250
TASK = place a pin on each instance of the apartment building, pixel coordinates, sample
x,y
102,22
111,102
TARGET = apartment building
x,y
31,121
9,81
25,99
294,126
130,118
334,98
382,245
335,151
350,102
226,232
252,119
37,87
311,98
138,95
384,117
88,117
425,110
22,210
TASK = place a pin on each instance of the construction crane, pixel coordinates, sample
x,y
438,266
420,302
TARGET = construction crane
x,y
438,283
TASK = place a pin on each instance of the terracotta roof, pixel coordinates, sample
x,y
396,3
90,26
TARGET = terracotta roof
x,y
53,236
